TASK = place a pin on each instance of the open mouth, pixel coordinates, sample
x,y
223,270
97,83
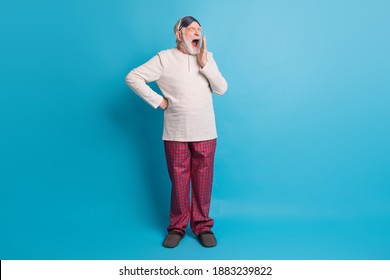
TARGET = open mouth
x,y
195,43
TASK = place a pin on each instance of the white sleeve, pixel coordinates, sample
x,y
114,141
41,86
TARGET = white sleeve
x,y
138,78
217,81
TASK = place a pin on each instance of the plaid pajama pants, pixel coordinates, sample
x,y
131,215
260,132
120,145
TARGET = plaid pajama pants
x,y
190,162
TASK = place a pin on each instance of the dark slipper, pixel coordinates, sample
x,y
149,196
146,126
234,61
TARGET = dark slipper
x,y
172,239
207,239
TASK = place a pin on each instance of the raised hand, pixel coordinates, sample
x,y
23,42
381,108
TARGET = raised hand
x,y
202,56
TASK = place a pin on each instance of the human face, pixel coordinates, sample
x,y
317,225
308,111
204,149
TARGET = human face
x,y
190,38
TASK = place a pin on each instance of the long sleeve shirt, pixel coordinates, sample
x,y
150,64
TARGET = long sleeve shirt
x,y
188,88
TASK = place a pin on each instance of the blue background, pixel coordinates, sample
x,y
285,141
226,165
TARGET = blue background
x,y
303,159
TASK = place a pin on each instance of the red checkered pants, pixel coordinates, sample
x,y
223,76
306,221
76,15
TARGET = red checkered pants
x,y
190,162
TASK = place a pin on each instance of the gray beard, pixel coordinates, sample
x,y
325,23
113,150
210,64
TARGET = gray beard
x,y
188,47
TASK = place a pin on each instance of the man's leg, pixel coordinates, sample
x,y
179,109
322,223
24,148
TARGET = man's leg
x,y
202,170
178,158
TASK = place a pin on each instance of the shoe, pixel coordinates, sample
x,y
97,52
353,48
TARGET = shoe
x,y
207,239
172,239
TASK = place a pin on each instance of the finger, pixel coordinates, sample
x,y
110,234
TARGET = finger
x,y
204,42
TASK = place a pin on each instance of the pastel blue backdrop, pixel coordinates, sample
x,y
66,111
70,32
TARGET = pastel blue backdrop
x,y
303,158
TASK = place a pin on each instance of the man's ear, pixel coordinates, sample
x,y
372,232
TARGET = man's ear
x,y
178,36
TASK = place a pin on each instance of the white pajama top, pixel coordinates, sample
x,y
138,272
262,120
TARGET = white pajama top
x,y
188,88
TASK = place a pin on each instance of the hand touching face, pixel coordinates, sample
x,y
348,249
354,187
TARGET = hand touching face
x,y
202,56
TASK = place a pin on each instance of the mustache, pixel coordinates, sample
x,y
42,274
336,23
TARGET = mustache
x,y
189,44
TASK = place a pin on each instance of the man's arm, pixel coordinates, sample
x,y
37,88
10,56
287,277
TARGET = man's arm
x,y
210,69
138,78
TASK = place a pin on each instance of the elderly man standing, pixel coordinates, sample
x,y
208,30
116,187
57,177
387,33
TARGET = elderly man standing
x,y
187,75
